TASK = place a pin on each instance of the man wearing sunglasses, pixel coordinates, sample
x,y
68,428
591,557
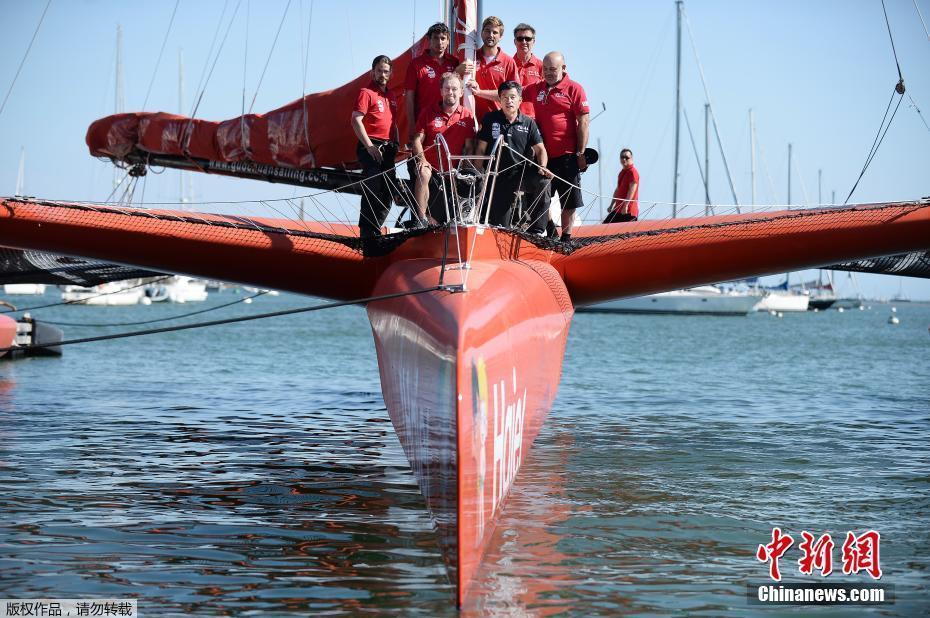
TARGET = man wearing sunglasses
x,y
625,203
529,67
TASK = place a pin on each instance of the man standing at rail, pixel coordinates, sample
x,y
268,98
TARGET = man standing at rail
x,y
625,203
562,112
373,120
521,141
456,124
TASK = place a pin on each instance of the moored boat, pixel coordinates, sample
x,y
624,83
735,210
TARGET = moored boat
x,y
701,300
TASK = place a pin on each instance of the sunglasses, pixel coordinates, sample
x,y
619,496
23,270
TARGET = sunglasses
x,y
525,39
624,158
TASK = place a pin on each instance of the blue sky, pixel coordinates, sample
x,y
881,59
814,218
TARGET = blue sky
x,y
817,75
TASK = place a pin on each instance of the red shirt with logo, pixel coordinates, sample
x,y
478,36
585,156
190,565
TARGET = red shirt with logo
x,y
529,72
556,111
626,177
379,109
424,78
455,128
490,74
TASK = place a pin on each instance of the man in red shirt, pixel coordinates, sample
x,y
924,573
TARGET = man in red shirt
x,y
373,120
457,127
529,67
561,110
423,75
494,67
625,204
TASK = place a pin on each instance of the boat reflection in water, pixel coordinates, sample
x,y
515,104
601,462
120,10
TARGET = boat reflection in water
x,y
701,300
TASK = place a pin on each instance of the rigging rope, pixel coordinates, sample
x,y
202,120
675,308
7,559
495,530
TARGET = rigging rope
x,y
170,317
160,52
25,55
247,318
270,53
922,20
883,128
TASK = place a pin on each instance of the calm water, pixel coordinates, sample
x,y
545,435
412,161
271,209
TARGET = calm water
x,y
252,469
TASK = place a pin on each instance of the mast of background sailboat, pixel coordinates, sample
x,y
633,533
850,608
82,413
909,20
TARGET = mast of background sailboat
x,y
678,7
789,174
119,99
752,155
706,160
21,174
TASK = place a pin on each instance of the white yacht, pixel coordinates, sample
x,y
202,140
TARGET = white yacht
x,y
24,288
701,300
784,300
106,294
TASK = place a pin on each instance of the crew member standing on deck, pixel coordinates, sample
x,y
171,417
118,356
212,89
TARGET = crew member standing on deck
x,y
529,67
423,77
373,120
493,69
625,204
561,107
456,124
522,139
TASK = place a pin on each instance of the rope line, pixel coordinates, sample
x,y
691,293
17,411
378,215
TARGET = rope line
x,y
25,55
270,53
160,52
170,317
247,318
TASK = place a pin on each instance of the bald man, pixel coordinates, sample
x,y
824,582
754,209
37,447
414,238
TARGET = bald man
x,y
561,109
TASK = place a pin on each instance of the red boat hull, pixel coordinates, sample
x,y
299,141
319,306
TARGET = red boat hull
x,y
468,378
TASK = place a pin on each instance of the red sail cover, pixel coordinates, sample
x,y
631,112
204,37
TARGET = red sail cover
x,y
310,132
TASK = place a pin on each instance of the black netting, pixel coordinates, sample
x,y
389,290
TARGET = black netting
x,y
18,266
916,264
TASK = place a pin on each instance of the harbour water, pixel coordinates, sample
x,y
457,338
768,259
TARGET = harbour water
x,y
251,469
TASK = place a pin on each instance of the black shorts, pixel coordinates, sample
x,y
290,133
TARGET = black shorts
x,y
567,174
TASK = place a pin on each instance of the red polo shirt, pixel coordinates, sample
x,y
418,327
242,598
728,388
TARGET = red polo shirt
x,y
424,78
529,72
556,111
455,129
625,178
379,109
490,74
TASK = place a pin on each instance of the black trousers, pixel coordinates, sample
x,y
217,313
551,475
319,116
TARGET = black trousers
x,y
376,188
528,189
567,174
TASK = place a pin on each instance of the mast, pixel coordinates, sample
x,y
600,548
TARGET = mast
x,y
678,7
819,187
789,174
752,155
119,102
600,184
706,159
21,174
181,175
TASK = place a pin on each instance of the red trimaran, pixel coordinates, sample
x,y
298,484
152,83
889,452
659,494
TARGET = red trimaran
x,y
470,342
